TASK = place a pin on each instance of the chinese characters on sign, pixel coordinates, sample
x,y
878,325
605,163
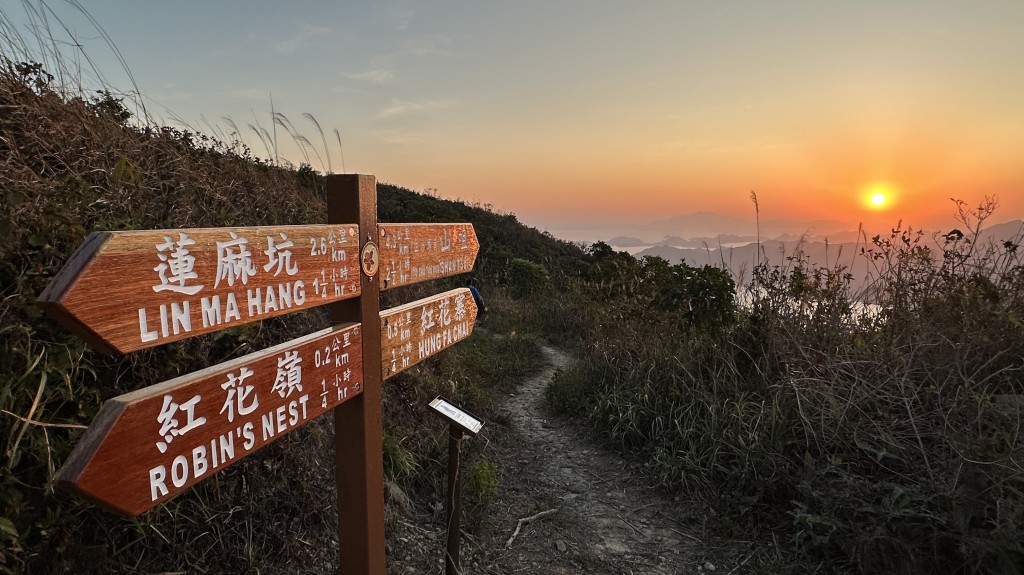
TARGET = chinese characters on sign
x,y
411,253
415,331
160,440
126,291
464,420
183,283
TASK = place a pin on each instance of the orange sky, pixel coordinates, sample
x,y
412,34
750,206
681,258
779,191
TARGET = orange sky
x,y
592,111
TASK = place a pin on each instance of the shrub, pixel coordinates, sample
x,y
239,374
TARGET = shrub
x,y
526,278
399,461
480,488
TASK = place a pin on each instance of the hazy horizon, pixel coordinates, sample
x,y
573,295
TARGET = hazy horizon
x,y
654,232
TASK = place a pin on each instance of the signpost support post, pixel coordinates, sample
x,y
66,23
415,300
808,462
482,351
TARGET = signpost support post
x,y
451,559
460,422
358,450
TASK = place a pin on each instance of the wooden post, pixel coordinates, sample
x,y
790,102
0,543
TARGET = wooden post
x,y
125,461
451,560
358,453
460,422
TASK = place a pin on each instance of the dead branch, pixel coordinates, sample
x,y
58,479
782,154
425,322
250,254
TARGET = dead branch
x,y
523,522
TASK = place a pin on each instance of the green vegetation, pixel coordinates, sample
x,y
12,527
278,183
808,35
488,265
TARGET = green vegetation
x,y
70,165
481,486
526,278
866,442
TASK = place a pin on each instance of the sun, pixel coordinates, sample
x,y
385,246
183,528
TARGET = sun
x,y
878,195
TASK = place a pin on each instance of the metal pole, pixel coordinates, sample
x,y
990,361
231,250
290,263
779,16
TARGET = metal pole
x,y
451,562
358,453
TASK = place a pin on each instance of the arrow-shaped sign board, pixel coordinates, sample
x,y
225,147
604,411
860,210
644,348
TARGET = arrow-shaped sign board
x,y
415,331
147,446
126,291
411,253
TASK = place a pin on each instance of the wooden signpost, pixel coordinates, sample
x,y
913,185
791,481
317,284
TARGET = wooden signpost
x,y
417,330
126,291
412,253
149,445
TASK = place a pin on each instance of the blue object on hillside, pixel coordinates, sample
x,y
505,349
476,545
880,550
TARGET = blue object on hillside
x,y
479,299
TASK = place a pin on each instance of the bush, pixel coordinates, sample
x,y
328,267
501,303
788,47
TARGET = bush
x,y
526,278
399,461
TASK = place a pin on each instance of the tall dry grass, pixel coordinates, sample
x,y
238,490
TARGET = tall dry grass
x,y
70,165
886,442
45,34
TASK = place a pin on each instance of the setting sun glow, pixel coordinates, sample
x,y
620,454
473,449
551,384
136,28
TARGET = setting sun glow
x,y
878,195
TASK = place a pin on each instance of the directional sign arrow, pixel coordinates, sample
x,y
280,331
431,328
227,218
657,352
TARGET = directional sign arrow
x,y
126,291
417,330
411,253
147,446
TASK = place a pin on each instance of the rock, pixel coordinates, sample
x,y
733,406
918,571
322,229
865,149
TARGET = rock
x,y
561,546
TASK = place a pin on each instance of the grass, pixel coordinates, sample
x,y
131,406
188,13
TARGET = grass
x,y
865,443
70,165
77,155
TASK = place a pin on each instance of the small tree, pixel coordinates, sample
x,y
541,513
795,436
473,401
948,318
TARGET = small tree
x,y
526,278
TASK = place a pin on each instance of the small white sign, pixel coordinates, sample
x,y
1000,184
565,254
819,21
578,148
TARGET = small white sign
x,y
467,422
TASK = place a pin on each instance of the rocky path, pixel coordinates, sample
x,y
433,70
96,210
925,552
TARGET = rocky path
x,y
591,510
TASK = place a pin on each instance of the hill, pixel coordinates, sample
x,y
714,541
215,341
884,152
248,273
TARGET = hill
x,y
712,224
70,165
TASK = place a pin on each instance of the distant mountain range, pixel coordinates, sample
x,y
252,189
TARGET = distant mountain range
x,y
696,229
714,224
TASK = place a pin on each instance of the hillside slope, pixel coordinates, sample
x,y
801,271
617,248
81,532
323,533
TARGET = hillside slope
x,y
69,166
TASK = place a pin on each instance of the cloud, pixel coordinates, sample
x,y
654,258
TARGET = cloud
x,y
290,45
247,93
400,137
380,75
436,46
402,18
400,107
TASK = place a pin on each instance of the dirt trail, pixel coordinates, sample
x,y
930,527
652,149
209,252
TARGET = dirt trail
x,y
606,520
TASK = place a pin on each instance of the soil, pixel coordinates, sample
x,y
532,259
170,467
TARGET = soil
x,y
592,511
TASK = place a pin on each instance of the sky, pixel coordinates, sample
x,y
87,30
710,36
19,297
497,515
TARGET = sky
x,y
596,112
